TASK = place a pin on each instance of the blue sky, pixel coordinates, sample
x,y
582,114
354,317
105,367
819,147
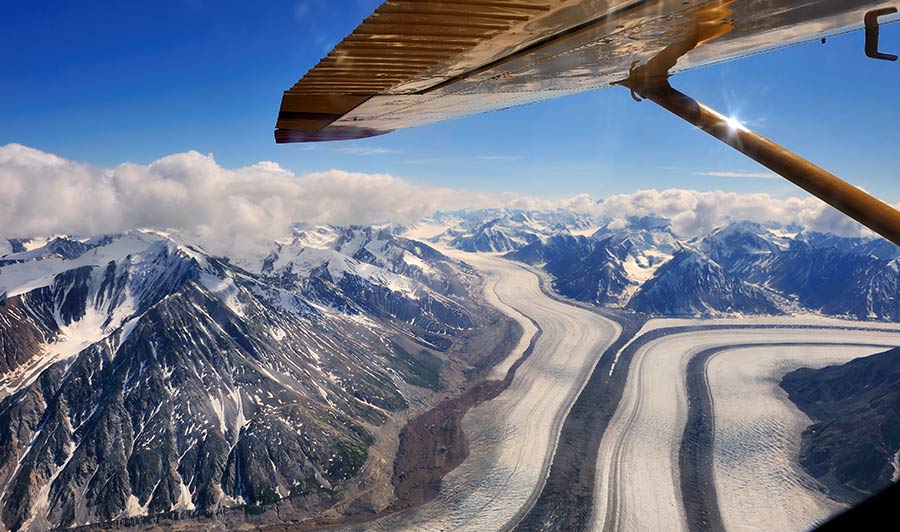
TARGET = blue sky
x,y
108,82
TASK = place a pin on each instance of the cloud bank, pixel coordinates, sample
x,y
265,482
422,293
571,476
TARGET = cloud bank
x,y
695,213
43,194
232,209
747,175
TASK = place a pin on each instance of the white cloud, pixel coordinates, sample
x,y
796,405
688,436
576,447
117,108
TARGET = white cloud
x,y
362,150
460,159
695,213
225,209
748,175
231,210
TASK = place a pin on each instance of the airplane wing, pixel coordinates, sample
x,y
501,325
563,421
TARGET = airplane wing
x,y
414,62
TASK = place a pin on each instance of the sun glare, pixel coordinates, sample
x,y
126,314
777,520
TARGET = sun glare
x,y
733,123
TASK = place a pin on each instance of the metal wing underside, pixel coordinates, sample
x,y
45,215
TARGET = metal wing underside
x,y
415,62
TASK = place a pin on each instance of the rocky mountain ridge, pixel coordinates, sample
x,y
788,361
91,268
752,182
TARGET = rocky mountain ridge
x,y
140,375
642,264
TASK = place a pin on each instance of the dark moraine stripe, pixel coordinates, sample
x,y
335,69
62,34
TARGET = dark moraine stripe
x,y
695,457
565,502
698,490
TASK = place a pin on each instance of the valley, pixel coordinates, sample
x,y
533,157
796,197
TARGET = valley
x,y
512,438
483,370
144,365
757,433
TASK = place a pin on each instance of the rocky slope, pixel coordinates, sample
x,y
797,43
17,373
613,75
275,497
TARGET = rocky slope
x,y
141,376
692,284
853,444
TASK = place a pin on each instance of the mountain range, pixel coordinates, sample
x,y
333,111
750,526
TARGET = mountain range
x,y
140,375
641,264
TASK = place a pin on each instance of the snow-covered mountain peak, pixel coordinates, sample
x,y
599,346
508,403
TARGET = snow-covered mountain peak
x,y
317,236
28,270
739,242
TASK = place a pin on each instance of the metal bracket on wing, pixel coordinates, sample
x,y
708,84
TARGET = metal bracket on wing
x,y
634,95
872,32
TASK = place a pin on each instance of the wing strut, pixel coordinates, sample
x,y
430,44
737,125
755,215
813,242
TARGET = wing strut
x,y
862,207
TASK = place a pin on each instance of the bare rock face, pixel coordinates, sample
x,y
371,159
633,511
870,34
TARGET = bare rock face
x,y
854,442
24,333
691,284
140,376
